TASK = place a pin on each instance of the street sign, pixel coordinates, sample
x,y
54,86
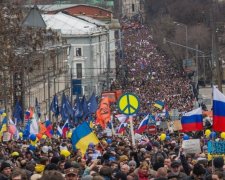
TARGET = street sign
x,y
152,129
128,104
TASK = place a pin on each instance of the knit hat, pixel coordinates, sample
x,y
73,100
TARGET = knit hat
x,y
4,165
132,162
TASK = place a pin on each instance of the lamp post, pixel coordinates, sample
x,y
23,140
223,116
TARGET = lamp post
x,y
190,48
186,36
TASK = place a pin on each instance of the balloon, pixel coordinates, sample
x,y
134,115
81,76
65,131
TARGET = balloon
x,y
65,152
163,137
109,141
186,137
207,132
32,137
3,114
222,135
21,134
15,154
167,137
44,137
69,134
213,135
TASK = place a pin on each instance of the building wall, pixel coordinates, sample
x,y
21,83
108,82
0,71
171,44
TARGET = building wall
x,y
50,77
94,60
128,8
131,7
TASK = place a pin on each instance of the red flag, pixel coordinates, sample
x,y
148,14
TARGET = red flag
x,y
103,113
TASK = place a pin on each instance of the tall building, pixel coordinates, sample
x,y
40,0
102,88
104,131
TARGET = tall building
x,y
128,8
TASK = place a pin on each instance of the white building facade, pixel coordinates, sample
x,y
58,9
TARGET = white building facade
x,y
91,59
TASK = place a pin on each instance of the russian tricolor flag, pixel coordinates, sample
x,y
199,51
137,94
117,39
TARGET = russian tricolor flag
x,y
122,128
65,128
192,121
143,125
218,110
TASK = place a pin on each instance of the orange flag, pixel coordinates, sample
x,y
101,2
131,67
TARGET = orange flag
x,y
42,130
103,113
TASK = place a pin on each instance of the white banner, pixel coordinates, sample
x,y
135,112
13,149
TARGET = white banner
x,y
191,146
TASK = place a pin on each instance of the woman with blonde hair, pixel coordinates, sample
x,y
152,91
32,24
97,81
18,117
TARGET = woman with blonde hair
x,y
143,171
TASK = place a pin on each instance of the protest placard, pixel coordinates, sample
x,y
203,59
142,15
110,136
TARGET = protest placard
x,y
191,146
216,147
6,137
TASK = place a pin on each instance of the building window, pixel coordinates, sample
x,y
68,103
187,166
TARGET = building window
x,y
132,7
78,52
79,70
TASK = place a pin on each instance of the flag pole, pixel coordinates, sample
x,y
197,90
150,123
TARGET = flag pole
x,y
132,130
112,127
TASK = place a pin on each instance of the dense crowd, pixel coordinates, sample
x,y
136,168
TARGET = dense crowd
x,y
113,158
150,75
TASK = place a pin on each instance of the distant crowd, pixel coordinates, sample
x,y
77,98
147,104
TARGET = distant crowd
x,y
145,71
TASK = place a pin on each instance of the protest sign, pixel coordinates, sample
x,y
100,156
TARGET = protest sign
x,y
174,125
216,147
191,146
6,137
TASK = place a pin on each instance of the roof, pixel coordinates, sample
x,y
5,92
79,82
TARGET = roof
x,y
58,7
34,19
70,25
92,20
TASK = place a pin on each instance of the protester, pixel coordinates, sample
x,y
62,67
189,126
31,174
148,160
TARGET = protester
x,y
97,154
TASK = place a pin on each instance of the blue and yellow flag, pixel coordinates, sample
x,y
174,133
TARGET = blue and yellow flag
x,y
159,105
82,136
4,125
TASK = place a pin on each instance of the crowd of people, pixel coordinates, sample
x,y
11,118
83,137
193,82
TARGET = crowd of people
x,y
150,75
112,159
145,71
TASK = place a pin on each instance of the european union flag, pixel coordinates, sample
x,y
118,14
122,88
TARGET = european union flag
x,y
26,131
66,109
55,106
84,107
18,113
93,105
78,108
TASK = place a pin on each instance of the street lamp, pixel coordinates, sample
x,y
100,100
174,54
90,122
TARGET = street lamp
x,y
186,36
196,50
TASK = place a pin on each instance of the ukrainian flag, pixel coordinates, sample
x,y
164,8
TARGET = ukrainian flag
x,y
82,136
4,125
159,104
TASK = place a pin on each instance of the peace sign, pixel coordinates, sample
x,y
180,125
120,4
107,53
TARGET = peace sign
x,y
128,104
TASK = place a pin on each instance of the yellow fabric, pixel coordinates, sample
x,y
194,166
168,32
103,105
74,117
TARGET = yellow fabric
x,y
91,124
158,106
39,168
83,143
4,128
4,114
